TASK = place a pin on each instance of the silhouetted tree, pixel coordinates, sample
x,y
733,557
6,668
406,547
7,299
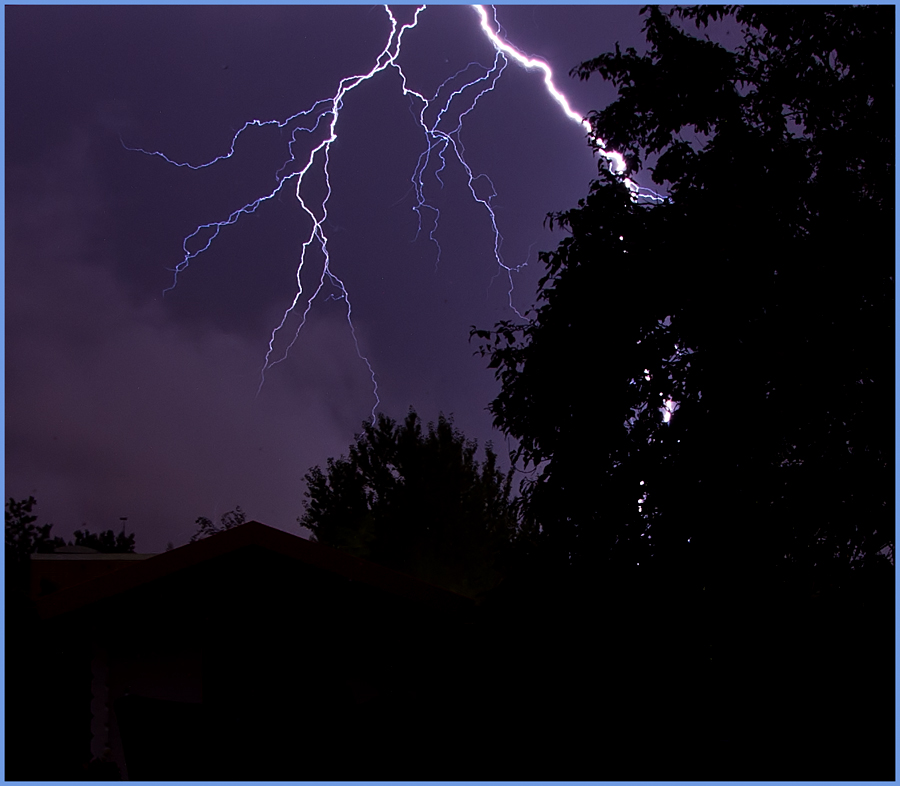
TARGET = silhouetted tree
x,y
106,542
230,520
24,537
416,500
704,381
705,398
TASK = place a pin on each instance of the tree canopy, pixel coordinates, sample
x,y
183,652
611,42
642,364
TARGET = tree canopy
x,y
24,537
705,379
416,500
206,527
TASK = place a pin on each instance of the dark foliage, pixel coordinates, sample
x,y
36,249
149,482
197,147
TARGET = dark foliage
x,y
107,542
24,537
758,299
416,500
205,527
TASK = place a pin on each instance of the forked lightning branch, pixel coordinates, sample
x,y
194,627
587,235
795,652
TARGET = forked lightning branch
x,y
446,111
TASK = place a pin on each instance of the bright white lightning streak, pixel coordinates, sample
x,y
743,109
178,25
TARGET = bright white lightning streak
x,y
385,59
616,160
438,142
668,409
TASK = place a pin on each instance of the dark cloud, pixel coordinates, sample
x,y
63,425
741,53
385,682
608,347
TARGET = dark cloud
x,y
125,402
114,409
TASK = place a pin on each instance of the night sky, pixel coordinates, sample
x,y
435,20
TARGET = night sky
x,y
122,401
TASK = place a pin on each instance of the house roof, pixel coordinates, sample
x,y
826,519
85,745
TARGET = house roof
x,y
135,572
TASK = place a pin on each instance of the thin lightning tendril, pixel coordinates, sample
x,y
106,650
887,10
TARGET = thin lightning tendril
x,y
442,141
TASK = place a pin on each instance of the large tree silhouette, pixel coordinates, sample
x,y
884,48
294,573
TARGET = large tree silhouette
x,y
416,500
704,396
706,380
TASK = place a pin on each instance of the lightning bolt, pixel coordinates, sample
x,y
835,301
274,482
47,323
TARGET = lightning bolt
x,y
441,119
616,160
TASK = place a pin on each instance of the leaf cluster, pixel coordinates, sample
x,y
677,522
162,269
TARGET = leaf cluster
x,y
106,542
415,499
230,520
23,537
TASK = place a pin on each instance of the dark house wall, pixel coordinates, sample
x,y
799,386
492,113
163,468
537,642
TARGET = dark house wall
x,y
249,664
